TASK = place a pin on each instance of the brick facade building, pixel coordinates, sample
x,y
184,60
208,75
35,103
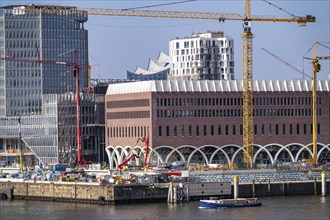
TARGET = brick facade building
x,y
194,117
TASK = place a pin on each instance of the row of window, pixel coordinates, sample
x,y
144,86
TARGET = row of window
x,y
127,115
215,113
234,101
136,131
128,103
213,130
201,43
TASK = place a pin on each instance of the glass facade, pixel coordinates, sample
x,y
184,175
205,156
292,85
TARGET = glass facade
x,y
29,36
38,93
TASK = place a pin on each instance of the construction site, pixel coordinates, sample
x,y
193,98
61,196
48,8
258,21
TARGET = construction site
x,y
198,134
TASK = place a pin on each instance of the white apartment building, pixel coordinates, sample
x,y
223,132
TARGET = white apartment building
x,y
207,56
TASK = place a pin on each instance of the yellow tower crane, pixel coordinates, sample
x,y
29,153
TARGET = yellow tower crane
x,y
247,46
316,69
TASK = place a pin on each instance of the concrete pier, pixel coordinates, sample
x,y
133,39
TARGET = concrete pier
x,y
114,194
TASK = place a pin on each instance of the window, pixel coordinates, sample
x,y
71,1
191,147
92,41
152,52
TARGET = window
x,y
219,129
234,130
226,129
197,130
298,129
255,129
276,129
204,130
262,129
283,129
212,130
160,131
305,129
175,131
167,130
182,130
291,129
190,130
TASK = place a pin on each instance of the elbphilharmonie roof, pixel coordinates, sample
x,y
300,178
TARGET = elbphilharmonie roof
x,y
216,86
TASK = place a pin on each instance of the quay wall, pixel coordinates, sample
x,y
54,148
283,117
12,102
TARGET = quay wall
x,y
111,194
282,188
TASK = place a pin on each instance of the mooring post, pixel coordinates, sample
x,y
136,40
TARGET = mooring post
x,y
253,189
236,187
170,193
324,184
175,194
315,186
268,186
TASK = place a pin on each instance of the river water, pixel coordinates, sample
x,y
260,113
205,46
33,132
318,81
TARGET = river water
x,y
290,207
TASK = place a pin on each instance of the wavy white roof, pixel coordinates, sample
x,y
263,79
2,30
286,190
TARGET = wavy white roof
x,y
216,86
155,66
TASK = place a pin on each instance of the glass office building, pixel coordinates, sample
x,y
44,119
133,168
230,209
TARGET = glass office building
x,y
29,90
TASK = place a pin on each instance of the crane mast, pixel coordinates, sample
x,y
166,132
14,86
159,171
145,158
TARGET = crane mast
x,y
247,86
247,47
316,68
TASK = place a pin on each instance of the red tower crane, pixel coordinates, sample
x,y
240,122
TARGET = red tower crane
x,y
76,76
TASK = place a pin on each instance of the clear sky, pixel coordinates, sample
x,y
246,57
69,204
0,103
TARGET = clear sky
x,y
119,44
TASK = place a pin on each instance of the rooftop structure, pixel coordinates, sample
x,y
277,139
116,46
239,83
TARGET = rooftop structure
x,y
156,70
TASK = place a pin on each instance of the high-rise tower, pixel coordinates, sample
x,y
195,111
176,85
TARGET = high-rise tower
x,y
33,36
202,56
34,115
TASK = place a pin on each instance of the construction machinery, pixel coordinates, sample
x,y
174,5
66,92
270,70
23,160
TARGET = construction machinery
x,y
247,46
316,69
135,154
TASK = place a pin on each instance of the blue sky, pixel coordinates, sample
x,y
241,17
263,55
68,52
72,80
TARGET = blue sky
x,y
119,44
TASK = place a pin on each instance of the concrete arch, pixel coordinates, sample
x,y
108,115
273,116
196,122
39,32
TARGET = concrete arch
x,y
261,148
173,151
301,150
157,154
283,148
216,151
236,152
197,149
161,147
320,152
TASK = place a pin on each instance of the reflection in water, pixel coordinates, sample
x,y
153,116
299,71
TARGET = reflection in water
x,y
291,207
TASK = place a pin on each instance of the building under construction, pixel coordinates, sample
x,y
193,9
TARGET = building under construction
x,y
37,101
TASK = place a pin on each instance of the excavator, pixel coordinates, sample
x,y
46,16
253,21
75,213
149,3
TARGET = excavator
x,y
135,154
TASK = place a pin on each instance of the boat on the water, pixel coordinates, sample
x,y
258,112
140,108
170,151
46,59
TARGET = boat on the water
x,y
230,203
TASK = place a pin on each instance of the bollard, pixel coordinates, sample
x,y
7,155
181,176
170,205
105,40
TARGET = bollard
x,y
170,193
236,187
268,186
324,184
315,186
253,189
175,194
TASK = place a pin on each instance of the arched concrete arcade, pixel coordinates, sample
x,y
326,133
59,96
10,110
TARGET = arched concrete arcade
x,y
212,154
